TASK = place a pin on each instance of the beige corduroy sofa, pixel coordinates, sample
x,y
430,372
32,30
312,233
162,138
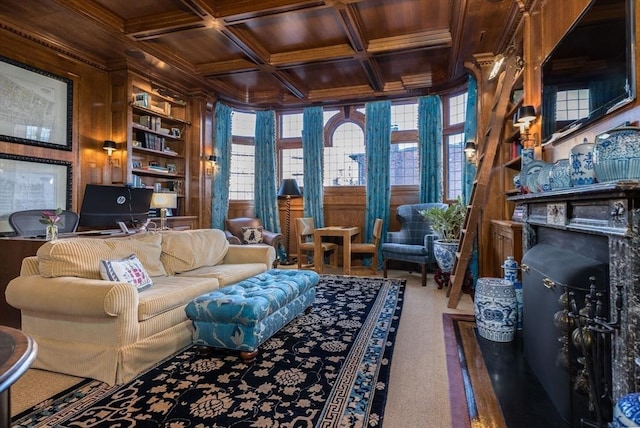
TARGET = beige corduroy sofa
x,y
88,327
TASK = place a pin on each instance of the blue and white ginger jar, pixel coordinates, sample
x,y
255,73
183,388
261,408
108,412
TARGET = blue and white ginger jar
x,y
626,414
510,268
582,172
495,309
617,157
560,175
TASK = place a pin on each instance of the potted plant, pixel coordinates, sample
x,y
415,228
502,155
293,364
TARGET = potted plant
x,y
447,224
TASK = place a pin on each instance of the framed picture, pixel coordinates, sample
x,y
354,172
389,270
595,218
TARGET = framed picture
x,y
36,106
32,183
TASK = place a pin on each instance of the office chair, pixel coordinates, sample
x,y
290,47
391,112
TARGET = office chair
x,y
27,223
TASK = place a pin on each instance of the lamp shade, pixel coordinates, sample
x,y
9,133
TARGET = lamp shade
x,y
525,114
470,147
109,146
289,187
164,200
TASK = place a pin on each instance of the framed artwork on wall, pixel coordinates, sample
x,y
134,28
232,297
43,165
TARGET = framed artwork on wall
x,y
36,106
32,183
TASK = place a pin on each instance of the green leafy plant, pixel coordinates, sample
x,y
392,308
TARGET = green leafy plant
x,y
446,223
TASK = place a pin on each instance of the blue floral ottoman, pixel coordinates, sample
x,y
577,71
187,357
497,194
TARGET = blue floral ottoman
x,y
244,315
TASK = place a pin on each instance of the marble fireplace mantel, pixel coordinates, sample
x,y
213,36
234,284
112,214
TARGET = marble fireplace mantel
x,y
604,211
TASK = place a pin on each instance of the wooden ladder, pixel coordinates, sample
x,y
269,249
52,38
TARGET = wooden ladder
x,y
479,190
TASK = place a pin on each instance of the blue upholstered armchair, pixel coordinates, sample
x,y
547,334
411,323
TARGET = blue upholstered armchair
x,y
413,243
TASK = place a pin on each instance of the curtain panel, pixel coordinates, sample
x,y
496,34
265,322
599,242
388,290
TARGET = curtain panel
x,y
378,149
470,131
430,148
265,187
313,149
222,143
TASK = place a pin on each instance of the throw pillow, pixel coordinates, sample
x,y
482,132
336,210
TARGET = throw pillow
x,y
129,270
252,235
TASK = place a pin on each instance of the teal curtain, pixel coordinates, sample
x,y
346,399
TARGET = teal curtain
x,y
265,187
469,170
313,149
222,144
430,148
470,130
377,138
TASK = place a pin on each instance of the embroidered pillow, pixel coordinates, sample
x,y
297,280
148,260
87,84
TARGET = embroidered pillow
x,y
129,270
252,235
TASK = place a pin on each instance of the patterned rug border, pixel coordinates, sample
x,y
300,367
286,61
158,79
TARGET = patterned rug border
x,y
472,399
87,392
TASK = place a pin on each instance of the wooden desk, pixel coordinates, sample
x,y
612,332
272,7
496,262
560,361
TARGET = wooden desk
x,y
17,352
346,233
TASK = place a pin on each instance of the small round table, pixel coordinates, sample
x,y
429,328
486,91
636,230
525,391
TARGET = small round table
x,y
17,352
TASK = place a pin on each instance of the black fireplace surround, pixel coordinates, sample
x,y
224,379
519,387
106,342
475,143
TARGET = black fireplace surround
x,y
575,239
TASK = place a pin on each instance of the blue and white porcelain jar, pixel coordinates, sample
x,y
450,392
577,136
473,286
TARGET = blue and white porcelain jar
x,y
582,172
626,414
560,175
510,268
495,309
617,157
526,157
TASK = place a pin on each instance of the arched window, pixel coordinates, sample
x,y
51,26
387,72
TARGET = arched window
x,y
344,157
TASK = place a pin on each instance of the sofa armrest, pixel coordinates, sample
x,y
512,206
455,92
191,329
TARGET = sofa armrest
x,y
72,296
250,254
29,266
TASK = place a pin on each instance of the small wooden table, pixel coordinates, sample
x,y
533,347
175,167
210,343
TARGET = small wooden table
x,y
346,233
17,352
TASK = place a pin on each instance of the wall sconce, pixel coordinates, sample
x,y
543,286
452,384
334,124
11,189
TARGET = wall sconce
x,y
212,159
470,150
109,146
523,118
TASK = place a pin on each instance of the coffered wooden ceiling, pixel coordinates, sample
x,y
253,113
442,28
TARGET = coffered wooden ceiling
x,y
277,53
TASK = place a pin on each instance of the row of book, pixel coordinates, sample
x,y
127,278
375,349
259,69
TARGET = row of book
x,y
150,141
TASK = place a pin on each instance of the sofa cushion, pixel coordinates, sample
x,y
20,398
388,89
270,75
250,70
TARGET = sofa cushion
x,y
228,273
128,270
172,292
190,249
81,257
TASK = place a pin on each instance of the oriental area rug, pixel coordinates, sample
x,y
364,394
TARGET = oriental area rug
x,y
328,368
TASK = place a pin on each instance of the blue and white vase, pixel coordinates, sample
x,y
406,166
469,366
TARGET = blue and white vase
x,y
582,171
617,157
445,254
510,268
526,157
626,414
495,309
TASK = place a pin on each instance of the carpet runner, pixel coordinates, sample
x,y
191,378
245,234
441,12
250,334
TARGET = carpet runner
x,y
328,368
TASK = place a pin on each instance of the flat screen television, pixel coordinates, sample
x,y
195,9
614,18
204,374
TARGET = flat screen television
x,y
105,206
591,71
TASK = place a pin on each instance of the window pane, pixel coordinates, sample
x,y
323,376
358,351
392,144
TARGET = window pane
x,y
292,165
572,104
404,117
404,164
242,172
243,124
457,109
344,163
455,157
291,125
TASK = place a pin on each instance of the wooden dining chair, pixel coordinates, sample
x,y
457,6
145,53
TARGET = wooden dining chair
x,y
304,233
371,248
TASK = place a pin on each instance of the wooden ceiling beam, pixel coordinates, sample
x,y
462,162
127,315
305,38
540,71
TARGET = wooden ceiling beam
x,y
95,12
327,53
225,67
426,39
153,26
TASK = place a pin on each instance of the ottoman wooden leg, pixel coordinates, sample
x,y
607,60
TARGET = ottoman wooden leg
x,y
203,350
308,310
248,356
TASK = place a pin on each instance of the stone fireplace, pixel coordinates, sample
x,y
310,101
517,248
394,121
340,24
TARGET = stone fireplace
x,y
601,223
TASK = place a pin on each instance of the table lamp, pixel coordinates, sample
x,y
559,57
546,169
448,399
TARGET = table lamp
x,y
288,189
164,200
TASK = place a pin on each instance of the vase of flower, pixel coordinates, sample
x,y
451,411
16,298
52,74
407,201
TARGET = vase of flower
x,y
51,232
52,220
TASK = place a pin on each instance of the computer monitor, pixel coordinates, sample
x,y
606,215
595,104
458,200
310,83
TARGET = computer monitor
x,y
105,206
